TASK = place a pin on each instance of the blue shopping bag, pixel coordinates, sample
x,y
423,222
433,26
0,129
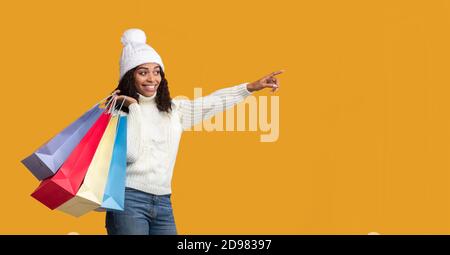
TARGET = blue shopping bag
x,y
46,160
114,195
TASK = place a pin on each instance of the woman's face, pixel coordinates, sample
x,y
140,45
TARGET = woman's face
x,y
147,78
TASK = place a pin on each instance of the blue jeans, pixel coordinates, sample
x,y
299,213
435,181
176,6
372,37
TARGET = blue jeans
x,y
144,214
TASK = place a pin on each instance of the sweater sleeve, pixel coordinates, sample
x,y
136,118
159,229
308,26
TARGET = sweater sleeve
x,y
133,132
195,111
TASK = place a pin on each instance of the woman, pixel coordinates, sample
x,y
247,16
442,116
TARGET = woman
x,y
155,124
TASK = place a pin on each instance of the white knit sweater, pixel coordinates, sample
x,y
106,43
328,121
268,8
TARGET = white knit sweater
x,y
153,136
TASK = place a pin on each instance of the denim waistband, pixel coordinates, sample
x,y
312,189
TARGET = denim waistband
x,y
145,193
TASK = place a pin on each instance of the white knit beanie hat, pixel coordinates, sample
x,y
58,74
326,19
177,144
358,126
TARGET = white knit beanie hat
x,y
136,52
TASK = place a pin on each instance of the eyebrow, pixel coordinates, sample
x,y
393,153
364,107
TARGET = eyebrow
x,y
147,68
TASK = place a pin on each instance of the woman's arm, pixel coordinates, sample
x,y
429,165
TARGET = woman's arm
x,y
194,111
133,132
133,126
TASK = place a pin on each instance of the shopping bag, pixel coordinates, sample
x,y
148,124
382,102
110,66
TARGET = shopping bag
x,y
56,190
90,193
46,160
114,195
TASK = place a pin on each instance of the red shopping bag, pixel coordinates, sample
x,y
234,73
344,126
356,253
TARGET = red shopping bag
x,y
64,185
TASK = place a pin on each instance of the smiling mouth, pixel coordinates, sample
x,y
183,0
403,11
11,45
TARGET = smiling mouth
x,y
149,88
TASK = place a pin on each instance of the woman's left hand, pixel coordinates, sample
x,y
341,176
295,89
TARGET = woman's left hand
x,y
268,81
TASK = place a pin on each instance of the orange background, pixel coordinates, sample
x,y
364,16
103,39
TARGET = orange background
x,y
364,112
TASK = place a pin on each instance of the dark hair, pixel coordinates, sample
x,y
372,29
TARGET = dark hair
x,y
127,87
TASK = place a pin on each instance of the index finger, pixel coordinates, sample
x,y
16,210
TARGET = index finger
x,y
276,73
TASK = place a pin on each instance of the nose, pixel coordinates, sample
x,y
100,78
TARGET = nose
x,y
151,78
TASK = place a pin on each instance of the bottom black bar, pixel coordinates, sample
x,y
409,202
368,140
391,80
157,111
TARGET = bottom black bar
x,y
227,244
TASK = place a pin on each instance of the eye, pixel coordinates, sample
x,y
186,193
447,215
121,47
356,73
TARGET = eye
x,y
142,73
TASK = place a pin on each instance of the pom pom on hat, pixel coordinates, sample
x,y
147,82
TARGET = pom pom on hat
x,y
133,35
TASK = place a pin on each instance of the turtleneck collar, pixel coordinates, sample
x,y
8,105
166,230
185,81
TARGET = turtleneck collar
x,y
144,99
